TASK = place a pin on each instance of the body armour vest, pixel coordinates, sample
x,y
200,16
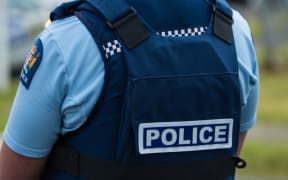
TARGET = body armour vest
x,y
170,105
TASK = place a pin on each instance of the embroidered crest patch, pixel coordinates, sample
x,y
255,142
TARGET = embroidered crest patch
x,y
32,63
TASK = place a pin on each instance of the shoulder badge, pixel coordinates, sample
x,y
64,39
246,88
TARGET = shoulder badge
x,y
32,63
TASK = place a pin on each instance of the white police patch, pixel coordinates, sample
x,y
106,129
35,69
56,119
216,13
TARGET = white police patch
x,y
164,137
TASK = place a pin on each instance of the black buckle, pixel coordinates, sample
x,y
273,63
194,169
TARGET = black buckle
x,y
130,29
239,163
222,26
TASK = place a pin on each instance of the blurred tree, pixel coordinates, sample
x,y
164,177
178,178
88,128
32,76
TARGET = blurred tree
x,y
273,20
269,61
4,67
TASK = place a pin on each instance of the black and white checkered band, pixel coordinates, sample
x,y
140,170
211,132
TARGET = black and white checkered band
x,y
197,31
114,47
111,48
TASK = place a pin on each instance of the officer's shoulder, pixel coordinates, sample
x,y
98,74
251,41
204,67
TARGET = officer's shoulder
x,y
67,35
64,27
240,23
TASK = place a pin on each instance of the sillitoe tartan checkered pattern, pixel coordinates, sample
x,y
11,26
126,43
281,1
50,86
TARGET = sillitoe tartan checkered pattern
x,y
197,31
114,47
111,48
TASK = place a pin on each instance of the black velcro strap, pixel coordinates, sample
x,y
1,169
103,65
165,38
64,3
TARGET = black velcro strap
x,y
65,159
79,165
222,26
130,29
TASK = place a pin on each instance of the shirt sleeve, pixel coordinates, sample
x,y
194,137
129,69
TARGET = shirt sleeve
x,y
35,117
62,93
248,71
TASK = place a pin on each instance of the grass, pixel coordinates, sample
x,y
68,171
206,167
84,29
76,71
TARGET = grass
x,y
265,159
273,100
6,99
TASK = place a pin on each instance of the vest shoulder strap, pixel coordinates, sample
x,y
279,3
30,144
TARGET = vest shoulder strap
x,y
122,19
223,20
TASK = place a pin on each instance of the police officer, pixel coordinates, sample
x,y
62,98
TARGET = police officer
x,y
164,89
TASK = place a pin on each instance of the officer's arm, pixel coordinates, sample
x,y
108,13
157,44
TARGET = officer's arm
x,y
16,167
241,142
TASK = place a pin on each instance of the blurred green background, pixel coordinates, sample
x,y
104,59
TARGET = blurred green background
x,y
266,147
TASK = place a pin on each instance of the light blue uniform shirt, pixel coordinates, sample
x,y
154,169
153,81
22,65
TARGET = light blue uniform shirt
x,y
69,81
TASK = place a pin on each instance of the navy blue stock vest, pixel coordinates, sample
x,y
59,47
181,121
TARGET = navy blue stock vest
x,y
170,105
